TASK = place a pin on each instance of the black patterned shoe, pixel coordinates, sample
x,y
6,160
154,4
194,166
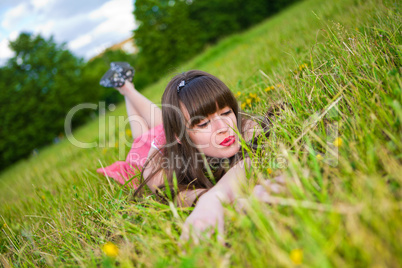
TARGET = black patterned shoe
x,y
117,74
126,71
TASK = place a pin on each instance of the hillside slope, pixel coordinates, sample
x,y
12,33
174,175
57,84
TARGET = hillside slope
x,y
337,65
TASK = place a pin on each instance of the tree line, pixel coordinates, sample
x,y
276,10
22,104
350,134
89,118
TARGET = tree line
x,y
173,31
39,86
44,80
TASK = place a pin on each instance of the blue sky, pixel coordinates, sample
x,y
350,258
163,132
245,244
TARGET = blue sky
x,y
86,26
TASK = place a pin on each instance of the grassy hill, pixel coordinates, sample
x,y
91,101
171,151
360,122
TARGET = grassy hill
x,y
337,65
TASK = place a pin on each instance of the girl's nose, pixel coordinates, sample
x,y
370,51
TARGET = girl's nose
x,y
221,125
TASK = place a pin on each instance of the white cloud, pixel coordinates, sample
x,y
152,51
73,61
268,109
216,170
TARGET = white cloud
x,y
38,4
88,26
14,16
13,35
5,51
115,19
112,8
45,29
96,50
79,42
117,24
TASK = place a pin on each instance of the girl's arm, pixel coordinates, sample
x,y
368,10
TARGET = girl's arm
x,y
184,198
208,212
225,189
157,179
189,197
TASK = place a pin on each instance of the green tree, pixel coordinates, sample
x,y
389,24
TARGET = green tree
x,y
166,36
40,84
173,31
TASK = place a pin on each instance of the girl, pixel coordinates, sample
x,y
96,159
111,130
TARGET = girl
x,y
192,144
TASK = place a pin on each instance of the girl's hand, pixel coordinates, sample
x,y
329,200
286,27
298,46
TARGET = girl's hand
x,y
208,213
207,216
262,192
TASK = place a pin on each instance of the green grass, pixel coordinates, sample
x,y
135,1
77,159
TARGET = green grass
x,y
337,60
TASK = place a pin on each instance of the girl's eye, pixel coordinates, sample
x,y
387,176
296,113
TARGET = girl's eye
x,y
203,125
206,123
228,112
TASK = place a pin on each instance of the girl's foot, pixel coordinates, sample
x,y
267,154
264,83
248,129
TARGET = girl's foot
x,y
118,73
127,86
124,69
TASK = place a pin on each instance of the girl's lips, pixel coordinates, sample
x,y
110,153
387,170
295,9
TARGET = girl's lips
x,y
228,141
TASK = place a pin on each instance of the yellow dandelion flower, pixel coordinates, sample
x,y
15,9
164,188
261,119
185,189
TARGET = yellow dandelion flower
x,y
279,85
319,157
296,255
128,132
243,105
258,99
4,225
43,197
268,89
248,101
238,94
110,249
303,66
269,170
338,142
253,95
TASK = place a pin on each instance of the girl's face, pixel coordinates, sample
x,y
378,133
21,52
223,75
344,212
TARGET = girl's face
x,y
214,135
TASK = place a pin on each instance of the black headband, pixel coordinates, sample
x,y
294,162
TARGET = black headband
x,y
181,85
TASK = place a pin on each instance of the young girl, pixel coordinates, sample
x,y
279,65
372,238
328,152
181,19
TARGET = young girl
x,y
192,144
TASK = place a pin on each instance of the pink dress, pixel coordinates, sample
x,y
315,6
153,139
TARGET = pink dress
x,y
122,171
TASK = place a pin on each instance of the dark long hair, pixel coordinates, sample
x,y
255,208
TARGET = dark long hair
x,y
201,94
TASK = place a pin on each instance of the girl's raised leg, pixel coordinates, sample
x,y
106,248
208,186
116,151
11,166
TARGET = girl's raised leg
x,y
144,107
138,124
